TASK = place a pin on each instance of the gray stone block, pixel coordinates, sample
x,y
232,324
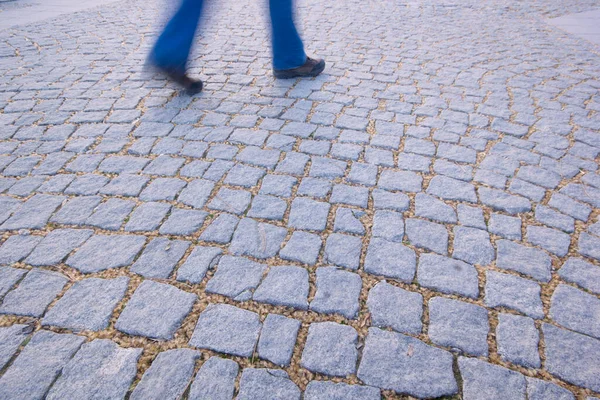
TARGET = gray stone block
x,y
385,200
447,275
168,376
327,390
396,308
523,295
538,389
103,252
76,210
278,185
429,207
451,189
147,217
351,195
215,380
9,277
267,207
348,220
284,286
576,270
471,216
196,193
183,222
388,225
554,241
163,189
11,337
473,246
227,329
156,310
460,325
566,353
389,259
233,201
576,310
487,381
236,277
393,361
88,304
57,245
589,246
274,384
160,257
555,219
34,213
32,373
405,181
505,226
428,235
314,187
330,349
34,293
526,260
343,250
502,201
302,247
518,340
337,292
200,260
278,339
256,239
308,214
16,248
99,369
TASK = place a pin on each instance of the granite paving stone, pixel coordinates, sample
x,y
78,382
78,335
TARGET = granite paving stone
x,y
230,200
457,324
348,220
278,339
227,329
236,277
159,258
506,226
308,214
330,349
99,368
482,380
183,221
147,217
57,245
220,229
582,273
34,370
168,376
394,307
256,239
156,310
447,275
284,286
343,250
76,210
200,260
34,213
16,248
267,207
576,310
101,252
33,294
337,292
589,246
518,340
567,351
523,295
87,305
427,235
11,337
215,380
538,389
406,365
552,240
526,260
473,246
390,259
328,390
261,383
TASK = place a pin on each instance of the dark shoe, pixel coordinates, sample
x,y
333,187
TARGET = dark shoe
x,y
311,67
190,85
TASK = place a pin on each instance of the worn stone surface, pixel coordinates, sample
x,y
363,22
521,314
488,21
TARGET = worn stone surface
x,y
200,260
526,260
518,340
284,286
337,292
155,310
460,325
576,310
447,275
227,329
236,277
215,380
11,338
482,380
8,277
330,349
278,339
327,390
159,258
392,260
168,376
538,389
88,304
34,293
100,368
37,366
396,308
260,383
581,272
406,365
102,252
523,295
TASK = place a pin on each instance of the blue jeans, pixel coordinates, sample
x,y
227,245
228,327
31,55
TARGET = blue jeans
x,y
173,46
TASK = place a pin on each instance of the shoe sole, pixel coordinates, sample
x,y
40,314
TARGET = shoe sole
x,y
290,74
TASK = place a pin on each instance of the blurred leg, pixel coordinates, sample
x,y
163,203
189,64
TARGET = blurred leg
x,y
288,50
172,48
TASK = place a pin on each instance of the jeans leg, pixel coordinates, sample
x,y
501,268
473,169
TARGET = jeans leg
x,y
173,46
288,50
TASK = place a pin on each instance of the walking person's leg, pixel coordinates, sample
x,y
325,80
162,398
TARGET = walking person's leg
x,y
172,49
289,58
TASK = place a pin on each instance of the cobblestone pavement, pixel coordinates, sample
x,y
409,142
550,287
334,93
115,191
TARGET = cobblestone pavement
x,y
420,220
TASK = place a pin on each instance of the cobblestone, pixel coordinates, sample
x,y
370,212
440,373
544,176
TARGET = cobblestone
x,y
330,349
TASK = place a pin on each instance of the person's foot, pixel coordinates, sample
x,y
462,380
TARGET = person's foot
x,y
191,86
311,67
